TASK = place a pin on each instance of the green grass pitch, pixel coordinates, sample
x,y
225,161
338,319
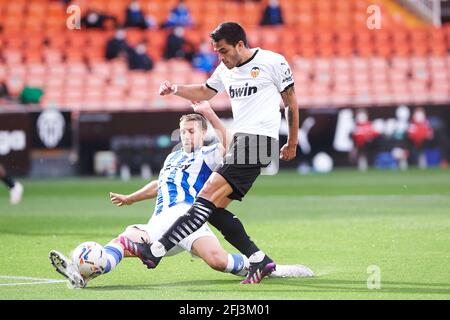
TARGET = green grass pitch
x,y
341,225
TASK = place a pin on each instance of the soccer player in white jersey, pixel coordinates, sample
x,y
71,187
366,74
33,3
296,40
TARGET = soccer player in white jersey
x,y
181,178
256,81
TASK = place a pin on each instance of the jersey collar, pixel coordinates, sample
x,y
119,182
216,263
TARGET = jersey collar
x,y
192,152
248,60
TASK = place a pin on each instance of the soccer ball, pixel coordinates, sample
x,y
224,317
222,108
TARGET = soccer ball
x,y
322,163
90,258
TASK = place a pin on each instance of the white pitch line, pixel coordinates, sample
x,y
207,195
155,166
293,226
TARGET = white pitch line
x,y
34,281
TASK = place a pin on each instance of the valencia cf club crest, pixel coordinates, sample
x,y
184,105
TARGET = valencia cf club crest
x,y
254,72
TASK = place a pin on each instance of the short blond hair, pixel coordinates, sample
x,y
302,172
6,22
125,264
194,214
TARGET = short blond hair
x,y
195,117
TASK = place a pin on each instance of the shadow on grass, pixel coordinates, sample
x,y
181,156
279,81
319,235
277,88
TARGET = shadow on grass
x,y
48,233
285,285
331,285
159,286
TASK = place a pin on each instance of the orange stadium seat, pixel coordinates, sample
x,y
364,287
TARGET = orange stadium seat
x,y
48,101
34,42
116,8
100,69
356,59
12,56
32,55
91,104
55,40
75,95
56,69
54,83
114,94
15,85
17,71
36,69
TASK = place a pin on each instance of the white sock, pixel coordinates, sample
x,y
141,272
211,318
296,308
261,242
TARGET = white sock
x,y
114,254
158,249
237,264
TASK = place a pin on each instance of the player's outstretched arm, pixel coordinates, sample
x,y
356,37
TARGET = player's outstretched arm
x,y
204,108
191,92
149,191
289,150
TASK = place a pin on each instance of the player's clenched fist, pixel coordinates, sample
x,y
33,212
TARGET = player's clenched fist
x,y
167,88
288,152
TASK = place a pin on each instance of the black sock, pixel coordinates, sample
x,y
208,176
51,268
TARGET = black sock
x,y
233,231
188,223
8,181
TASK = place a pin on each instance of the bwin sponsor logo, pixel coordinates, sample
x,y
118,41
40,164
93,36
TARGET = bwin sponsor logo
x,y
242,91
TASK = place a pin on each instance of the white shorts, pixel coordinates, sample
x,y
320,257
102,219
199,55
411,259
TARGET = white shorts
x,y
158,225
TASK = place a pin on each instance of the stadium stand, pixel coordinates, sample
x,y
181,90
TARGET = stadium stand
x,y
337,60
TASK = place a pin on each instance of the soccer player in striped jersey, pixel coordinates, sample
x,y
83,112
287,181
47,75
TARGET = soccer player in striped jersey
x,y
182,177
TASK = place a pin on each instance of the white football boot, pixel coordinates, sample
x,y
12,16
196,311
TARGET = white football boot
x,y
68,269
292,271
15,194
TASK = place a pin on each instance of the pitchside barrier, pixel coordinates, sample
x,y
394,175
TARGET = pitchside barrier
x,y
58,143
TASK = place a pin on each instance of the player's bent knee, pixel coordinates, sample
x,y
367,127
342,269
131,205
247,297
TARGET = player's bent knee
x,y
215,190
208,190
135,234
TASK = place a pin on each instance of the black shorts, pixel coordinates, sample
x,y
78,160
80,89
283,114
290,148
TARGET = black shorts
x,y
244,159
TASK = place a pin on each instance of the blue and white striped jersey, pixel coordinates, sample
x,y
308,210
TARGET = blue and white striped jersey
x,y
184,174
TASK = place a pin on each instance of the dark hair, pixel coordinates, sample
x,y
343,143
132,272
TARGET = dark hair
x,y
231,32
195,117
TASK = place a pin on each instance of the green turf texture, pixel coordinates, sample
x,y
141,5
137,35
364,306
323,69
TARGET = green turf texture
x,y
338,224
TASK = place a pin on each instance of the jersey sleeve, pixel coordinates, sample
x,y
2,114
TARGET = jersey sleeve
x,y
282,73
212,155
215,82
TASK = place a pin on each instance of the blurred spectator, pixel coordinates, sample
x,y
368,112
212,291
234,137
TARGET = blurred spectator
x,y
116,45
138,59
136,18
177,46
4,92
419,132
94,19
399,142
363,136
385,144
15,188
272,14
440,143
179,16
31,95
204,60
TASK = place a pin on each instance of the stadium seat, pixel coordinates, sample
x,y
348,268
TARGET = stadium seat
x,y
34,34
52,56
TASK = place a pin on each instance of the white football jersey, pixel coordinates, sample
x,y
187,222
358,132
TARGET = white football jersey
x,y
184,174
254,88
